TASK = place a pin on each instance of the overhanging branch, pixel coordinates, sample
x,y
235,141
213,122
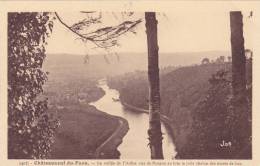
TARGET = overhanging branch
x,y
68,27
103,37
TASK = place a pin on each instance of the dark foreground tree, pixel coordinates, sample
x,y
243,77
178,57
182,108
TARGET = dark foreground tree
x,y
154,132
30,127
238,55
241,128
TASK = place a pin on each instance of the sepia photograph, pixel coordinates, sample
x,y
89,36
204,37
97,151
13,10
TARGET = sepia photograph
x,y
101,84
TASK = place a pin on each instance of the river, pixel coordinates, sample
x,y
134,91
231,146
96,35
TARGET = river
x,y
134,145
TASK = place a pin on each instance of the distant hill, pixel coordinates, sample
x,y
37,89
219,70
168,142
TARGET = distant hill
x,y
98,66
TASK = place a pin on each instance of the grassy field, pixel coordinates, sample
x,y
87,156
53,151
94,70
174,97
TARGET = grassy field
x,y
82,130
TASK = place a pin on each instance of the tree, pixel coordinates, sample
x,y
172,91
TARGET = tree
x,y
240,109
249,54
154,132
229,59
238,54
30,127
220,59
205,61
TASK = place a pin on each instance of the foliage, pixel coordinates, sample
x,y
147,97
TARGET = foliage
x,y
205,61
220,59
217,119
210,127
197,99
30,126
181,88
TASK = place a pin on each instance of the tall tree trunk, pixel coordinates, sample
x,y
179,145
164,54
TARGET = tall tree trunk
x,y
154,131
238,55
241,125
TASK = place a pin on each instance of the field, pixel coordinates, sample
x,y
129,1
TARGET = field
x,y
82,130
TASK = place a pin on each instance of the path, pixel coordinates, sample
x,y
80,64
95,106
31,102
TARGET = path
x,y
114,140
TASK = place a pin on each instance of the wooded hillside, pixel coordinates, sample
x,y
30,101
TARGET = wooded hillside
x,y
197,99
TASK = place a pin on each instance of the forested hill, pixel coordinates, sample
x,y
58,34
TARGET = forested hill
x,y
190,96
179,88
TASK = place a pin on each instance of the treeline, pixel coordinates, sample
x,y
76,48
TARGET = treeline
x,y
69,92
198,100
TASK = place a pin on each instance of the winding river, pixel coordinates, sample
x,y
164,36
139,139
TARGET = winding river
x,y
134,145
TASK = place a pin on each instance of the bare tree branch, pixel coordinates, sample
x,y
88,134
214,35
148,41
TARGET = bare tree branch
x,y
68,27
87,12
104,37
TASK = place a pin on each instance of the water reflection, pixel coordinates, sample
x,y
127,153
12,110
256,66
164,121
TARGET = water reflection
x,y
135,143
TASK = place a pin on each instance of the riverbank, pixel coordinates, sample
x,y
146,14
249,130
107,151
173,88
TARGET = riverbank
x,y
83,132
108,149
166,121
138,124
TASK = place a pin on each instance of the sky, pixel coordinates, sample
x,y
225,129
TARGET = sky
x,y
178,31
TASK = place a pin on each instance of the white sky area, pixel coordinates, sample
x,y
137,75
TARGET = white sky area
x,y
179,31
